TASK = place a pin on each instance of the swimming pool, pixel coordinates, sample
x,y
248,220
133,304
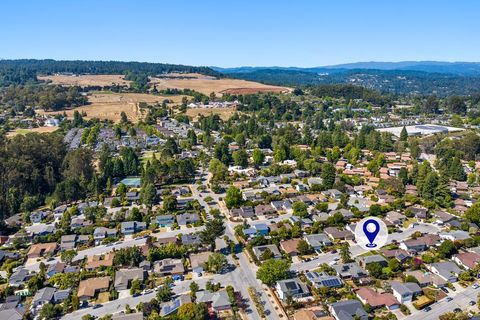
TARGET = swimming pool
x,y
131,182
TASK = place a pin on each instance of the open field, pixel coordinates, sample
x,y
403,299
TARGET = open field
x,y
206,85
25,131
224,113
194,81
109,106
87,80
187,76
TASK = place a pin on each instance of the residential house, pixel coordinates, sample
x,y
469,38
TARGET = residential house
x,y
171,307
293,288
101,260
323,279
243,212
87,289
421,213
128,316
420,244
350,271
281,205
165,220
377,300
455,235
405,292
169,267
399,254
192,239
259,250
348,310
37,216
264,210
364,261
133,196
395,218
318,241
314,181
19,277
442,217
40,229
12,314
198,261
467,260
42,297
314,313
101,233
336,234
448,270
60,295
346,214
332,193
290,246
67,242
218,301
131,227
124,277
42,250
54,268
303,222
187,219
427,278
258,229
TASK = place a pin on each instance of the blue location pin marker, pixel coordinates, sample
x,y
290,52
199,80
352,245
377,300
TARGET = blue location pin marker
x,y
371,235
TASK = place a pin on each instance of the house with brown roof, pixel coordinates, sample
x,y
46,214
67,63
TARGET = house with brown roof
x,y
198,261
377,300
336,234
169,267
315,313
42,250
427,278
101,260
421,244
290,246
468,260
166,240
87,289
399,254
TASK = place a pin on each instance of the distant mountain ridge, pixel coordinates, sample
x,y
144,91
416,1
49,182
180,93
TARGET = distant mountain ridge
x,y
408,77
456,68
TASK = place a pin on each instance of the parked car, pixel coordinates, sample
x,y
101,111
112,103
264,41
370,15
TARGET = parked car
x,y
449,299
98,305
475,286
472,303
427,309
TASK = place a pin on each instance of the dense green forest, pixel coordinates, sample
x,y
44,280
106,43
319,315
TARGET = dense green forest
x,y
13,76
398,82
348,92
49,66
47,97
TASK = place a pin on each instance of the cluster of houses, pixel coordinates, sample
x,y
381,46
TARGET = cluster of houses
x,y
265,217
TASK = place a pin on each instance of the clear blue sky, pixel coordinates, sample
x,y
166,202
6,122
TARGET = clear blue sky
x,y
231,33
